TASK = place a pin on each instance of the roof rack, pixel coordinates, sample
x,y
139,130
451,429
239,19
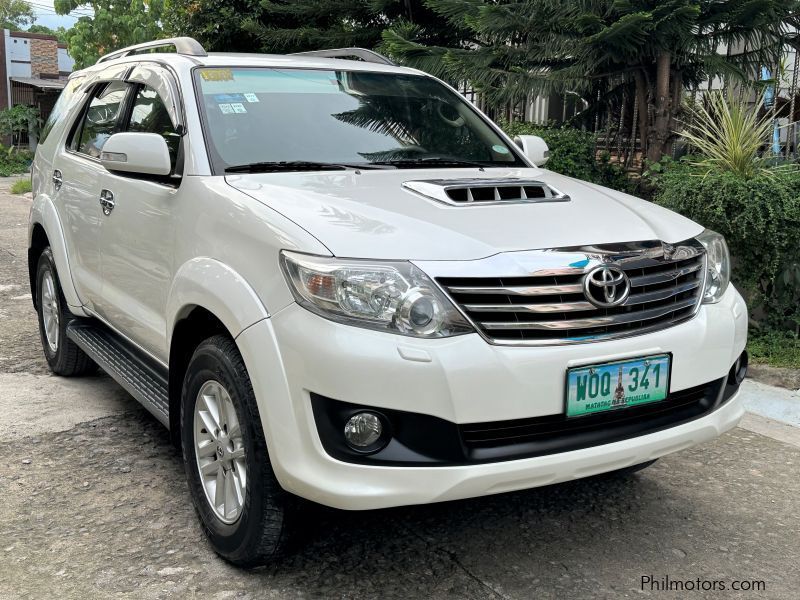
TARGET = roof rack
x,y
183,45
362,53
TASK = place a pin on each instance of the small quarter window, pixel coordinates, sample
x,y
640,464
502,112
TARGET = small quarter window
x,y
60,107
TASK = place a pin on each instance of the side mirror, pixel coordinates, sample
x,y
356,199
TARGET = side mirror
x,y
131,152
534,148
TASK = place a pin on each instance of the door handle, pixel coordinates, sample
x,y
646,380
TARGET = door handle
x,y
57,179
107,201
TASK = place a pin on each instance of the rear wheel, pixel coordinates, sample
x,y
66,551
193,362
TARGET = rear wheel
x,y
63,356
244,511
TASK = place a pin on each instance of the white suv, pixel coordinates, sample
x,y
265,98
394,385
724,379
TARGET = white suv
x,y
337,280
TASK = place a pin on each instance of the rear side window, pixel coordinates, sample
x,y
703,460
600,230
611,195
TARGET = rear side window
x,y
60,108
149,115
100,120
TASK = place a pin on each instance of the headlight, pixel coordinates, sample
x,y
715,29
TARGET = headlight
x,y
718,261
389,296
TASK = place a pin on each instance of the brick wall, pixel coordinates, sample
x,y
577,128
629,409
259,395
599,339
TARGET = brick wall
x,y
44,57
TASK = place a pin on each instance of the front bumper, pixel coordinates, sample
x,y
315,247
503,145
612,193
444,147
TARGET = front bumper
x,y
464,379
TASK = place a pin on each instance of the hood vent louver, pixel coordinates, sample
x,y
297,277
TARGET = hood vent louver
x,y
482,192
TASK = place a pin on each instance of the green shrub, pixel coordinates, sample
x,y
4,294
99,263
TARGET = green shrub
x,y
777,348
760,219
14,162
22,186
573,152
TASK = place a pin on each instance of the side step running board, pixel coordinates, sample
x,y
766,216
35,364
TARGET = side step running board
x,y
139,374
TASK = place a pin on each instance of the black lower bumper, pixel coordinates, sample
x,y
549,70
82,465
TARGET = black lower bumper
x,y
422,440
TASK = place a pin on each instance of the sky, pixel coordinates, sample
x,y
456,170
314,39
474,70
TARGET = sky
x,y
46,15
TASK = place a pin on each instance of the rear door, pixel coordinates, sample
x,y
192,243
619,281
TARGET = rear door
x,y
138,236
76,179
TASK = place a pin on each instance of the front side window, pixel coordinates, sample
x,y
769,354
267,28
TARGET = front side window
x,y
101,119
275,115
149,115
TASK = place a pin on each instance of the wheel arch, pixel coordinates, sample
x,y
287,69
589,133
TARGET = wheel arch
x,y
207,298
45,230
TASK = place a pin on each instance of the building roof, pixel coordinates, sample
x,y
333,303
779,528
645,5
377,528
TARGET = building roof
x,y
44,84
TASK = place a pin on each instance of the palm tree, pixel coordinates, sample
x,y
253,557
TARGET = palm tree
x,y
602,49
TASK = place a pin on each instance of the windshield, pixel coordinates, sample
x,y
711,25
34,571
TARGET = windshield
x,y
270,116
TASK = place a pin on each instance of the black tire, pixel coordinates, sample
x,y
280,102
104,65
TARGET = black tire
x,y
262,529
66,359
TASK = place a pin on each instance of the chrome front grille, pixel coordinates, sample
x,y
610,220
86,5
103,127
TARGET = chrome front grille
x,y
550,306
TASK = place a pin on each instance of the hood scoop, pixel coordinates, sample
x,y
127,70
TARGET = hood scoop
x,y
483,192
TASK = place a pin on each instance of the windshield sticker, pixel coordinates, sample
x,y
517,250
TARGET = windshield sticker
x,y
226,109
238,107
228,98
251,97
500,149
216,74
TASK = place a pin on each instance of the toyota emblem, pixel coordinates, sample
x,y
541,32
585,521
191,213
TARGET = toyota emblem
x,y
606,286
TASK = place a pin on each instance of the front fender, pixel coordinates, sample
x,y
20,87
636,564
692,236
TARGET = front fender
x,y
213,285
43,213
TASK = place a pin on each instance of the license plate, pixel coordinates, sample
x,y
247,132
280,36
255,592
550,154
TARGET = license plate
x,y
617,385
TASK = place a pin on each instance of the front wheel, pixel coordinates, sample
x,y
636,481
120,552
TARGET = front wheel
x,y
244,511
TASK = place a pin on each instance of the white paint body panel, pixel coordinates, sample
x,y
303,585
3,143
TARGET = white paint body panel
x,y
371,215
466,380
214,242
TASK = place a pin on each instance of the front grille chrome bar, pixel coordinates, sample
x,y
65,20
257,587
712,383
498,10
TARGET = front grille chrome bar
x,y
642,315
664,277
579,306
520,290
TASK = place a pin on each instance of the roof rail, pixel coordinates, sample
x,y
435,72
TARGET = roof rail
x,y
183,45
362,53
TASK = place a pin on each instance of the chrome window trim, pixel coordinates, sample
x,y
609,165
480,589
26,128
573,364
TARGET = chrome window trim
x,y
565,261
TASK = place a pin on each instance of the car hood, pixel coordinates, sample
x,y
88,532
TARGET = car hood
x,y
370,214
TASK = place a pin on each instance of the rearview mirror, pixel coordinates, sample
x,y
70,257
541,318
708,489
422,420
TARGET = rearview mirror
x,y
141,153
534,148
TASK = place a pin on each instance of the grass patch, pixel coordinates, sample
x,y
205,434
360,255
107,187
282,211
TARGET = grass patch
x,y
775,348
23,186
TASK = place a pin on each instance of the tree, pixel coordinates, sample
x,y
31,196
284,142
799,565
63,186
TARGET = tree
x,y
113,26
17,120
60,33
16,14
602,49
283,26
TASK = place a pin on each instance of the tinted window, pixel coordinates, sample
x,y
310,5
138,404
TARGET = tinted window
x,y
149,115
268,114
101,119
60,107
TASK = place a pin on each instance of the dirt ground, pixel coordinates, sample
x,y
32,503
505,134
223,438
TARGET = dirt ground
x,y
95,505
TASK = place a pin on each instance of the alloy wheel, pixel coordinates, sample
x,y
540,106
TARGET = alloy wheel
x,y
50,311
219,449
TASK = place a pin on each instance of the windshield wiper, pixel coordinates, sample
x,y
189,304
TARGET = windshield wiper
x,y
294,165
439,161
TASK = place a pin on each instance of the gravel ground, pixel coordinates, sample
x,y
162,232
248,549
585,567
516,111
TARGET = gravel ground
x,y
19,338
95,505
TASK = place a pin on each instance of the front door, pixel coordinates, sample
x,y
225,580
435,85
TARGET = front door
x,y
138,235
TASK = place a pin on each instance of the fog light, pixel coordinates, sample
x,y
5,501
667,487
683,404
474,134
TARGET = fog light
x,y
362,430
